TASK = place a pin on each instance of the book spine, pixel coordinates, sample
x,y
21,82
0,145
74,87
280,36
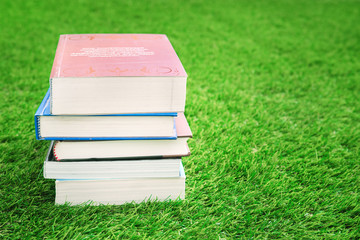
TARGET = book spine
x,y
45,170
56,68
54,152
47,159
59,54
37,128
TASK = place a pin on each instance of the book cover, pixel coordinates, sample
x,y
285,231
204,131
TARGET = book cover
x,y
115,55
182,126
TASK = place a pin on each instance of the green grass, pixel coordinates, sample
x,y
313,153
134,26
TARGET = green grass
x,y
272,99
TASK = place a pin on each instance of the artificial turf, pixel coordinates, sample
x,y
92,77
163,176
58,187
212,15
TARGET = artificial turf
x,y
272,100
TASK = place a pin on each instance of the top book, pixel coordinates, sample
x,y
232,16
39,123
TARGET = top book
x,y
116,73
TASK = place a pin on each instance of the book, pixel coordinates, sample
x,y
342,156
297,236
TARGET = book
x,y
107,169
106,127
96,74
120,149
120,191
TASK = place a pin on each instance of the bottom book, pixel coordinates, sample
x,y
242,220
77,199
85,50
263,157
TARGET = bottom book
x,y
120,191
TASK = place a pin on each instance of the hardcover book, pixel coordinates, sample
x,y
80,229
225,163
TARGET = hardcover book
x,y
110,168
120,191
116,73
106,127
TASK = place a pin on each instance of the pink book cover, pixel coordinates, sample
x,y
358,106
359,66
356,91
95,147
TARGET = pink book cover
x,y
182,129
115,55
182,126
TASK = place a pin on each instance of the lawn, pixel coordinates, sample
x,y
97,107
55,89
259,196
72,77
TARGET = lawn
x,y
272,99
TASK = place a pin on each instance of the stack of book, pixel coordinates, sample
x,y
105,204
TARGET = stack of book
x,y
114,113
